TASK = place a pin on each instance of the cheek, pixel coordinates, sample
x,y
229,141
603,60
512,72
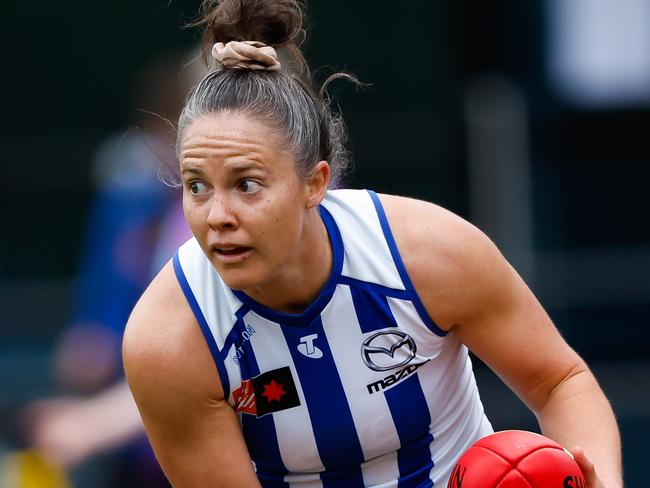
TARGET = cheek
x,y
193,216
284,226
188,211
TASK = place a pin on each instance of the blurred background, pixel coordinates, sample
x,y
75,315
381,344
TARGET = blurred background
x,y
529,119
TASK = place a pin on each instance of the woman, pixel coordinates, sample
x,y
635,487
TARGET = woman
x,y
320,333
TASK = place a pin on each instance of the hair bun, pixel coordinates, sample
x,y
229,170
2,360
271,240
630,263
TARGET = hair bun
x,y
276,23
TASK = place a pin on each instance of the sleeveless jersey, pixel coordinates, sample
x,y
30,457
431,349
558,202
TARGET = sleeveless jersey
x,y
362,389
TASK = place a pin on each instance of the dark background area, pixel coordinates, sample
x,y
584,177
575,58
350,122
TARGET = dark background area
x,y
441,76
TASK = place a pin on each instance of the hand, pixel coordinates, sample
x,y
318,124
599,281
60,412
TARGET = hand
x,y
70,430
59,429
588,469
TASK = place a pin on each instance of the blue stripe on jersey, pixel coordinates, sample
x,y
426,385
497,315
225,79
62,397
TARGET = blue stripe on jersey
x,y
262,442
236,340
372,309
259,433
328,408
344,478
375,288
410,413
271,480
416,475
209,338
390,240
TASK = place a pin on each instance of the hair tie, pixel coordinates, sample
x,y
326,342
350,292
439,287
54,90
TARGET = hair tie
x,y
253,55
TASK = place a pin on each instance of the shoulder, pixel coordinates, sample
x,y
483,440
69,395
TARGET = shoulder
x,y
453,265
413,217
164,351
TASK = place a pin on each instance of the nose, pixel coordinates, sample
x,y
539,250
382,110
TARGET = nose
x,y
221,215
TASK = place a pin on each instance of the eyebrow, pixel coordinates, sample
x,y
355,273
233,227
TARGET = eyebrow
x,y
234,167
239,166
195,171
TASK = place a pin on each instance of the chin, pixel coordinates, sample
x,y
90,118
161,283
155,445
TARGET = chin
x,y
240,278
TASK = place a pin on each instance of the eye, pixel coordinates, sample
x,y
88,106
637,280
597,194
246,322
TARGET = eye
x,y
197,187
249,186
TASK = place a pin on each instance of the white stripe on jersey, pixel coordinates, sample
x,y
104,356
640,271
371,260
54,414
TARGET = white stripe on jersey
x,y
456,407
234,373
377,471
307,480
429,344
365,259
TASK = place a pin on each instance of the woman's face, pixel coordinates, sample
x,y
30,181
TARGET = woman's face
x,y
242,197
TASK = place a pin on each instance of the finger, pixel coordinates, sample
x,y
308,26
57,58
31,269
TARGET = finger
x,y
586,466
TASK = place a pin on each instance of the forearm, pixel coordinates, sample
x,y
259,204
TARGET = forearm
x,y
115,417
203,450
578,414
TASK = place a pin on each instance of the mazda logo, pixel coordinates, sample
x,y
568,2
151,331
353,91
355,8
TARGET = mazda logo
x,y
386,350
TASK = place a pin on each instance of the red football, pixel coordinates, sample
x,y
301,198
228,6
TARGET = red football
x,y
516,459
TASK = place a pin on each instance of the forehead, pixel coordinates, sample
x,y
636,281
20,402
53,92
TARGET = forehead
x,y
227,134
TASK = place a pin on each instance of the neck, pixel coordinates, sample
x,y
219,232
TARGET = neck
x,y
301,281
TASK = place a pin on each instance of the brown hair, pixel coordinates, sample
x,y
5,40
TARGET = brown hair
x,y
276,23
286,99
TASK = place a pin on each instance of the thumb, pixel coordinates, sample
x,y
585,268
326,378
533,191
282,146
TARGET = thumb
x,y
587,467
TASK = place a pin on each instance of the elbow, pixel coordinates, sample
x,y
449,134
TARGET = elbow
x,y
567,384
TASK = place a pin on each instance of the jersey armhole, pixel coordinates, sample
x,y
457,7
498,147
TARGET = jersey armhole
x,y
401,269
205,328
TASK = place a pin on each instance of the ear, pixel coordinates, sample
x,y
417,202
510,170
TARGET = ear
x,y
316,185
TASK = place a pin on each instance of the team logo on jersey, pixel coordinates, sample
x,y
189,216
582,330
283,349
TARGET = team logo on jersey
x,y
388,349
266,393
307,347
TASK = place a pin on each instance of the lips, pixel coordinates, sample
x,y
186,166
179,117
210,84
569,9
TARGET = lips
x,y
231,253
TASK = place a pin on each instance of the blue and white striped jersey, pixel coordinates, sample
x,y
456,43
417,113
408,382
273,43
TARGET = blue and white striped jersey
x,y
362,388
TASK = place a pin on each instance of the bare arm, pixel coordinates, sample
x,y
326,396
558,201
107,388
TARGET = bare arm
x,y
470,289
70,430
194,432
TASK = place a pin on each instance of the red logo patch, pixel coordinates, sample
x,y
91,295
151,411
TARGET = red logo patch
x,y
244,397
268,392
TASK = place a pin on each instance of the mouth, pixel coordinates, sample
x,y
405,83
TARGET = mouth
x,y
231,254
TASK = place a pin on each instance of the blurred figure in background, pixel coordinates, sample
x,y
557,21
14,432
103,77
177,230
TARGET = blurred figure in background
x,y
134,224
